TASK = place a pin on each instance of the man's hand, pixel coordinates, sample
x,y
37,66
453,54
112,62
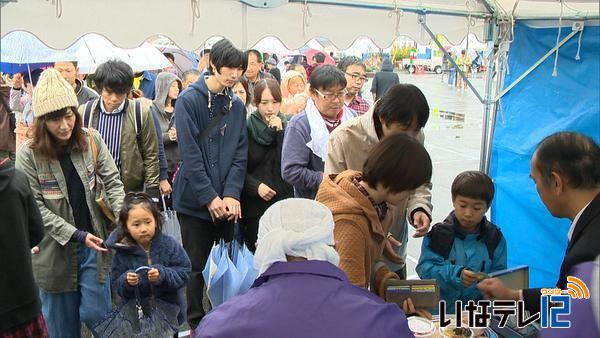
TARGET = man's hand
x,y
265,192
35,250
389,250
494,288
421,223
164,187
95,243
153,275
234,209
468,277
132,278
217,209
409,309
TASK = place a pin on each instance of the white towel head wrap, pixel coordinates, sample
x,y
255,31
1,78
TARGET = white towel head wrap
x,y
296,227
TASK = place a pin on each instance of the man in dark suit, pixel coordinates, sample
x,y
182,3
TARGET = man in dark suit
x,y
566,171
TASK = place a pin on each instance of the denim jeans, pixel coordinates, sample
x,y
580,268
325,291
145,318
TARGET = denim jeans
x,y
65,311
452,76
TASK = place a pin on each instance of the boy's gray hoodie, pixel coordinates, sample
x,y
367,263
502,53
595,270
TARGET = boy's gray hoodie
x,y
164,80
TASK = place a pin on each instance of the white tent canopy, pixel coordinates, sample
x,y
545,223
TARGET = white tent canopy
x,y
127,23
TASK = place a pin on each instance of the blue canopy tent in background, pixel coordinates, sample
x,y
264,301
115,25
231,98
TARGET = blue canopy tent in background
x,y
539,106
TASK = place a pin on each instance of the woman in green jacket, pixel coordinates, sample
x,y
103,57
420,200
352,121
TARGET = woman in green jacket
x,y
62,162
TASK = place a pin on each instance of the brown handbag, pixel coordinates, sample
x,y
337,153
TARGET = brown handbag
x,y
99,190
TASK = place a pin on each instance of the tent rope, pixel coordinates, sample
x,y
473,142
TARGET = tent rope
x,y
577,57
59,9
195,13
306,15
555,70
399,13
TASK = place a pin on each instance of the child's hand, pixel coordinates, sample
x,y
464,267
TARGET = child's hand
x,y
132,278
468,277
153,275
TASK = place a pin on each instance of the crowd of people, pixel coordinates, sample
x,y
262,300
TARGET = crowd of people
x,y
323,186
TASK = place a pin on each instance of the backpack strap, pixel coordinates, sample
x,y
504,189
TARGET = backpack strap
x,y
87,114
137,117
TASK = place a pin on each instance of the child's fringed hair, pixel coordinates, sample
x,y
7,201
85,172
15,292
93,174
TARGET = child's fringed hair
x,y
131,200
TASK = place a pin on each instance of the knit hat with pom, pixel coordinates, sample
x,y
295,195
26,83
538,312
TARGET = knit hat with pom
x,y
52,93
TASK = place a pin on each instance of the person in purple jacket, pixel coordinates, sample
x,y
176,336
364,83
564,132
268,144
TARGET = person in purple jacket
x,y
301,292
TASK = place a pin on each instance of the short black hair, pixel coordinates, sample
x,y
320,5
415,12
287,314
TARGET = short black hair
x,y
169,56
574,156
402,103
319,57
115,76
326,77
473,184
224,54
259,56
399,163
73,62
35,76
348,61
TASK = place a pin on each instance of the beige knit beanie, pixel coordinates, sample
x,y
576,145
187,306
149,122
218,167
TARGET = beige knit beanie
x,y
52,93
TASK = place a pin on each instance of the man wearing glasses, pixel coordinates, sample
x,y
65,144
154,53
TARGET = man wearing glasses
x,y
305,141
255,72
356,76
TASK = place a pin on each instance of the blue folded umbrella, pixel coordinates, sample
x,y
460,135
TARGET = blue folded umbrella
x,y
244,262
221,276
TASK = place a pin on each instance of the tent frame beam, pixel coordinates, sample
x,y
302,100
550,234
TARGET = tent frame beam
x,y
576,28
441,48
411,9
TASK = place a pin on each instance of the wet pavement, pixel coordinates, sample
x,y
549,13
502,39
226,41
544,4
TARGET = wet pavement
x,y
452,137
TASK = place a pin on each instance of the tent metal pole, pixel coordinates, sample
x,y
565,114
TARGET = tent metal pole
x,y
489,5
409,9
577,17
488,106
541,60
460,72
499,82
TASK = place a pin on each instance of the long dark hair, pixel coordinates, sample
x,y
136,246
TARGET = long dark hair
x,y
131,200
46,145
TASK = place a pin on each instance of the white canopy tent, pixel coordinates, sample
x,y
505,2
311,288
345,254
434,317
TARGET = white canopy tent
x,y
191,23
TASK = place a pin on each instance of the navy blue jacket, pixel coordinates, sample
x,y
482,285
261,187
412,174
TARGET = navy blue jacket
x,y
215,166
147,85
166,255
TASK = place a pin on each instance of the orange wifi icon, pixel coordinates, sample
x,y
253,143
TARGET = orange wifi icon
x,y
577,288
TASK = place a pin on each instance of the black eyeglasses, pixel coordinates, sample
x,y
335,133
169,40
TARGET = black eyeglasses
x,y
355,77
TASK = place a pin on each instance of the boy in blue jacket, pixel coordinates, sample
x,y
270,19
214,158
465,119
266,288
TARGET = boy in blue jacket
x,y
465,243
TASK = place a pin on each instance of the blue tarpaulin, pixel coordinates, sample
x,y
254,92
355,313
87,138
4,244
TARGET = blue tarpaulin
x,y
539,106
